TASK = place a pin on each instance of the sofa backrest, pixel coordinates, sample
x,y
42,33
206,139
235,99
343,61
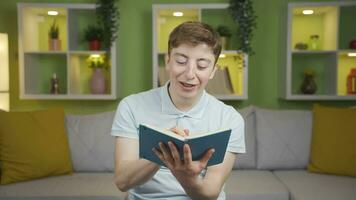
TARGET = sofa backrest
x,y
91,145
283,138
275,139
248,160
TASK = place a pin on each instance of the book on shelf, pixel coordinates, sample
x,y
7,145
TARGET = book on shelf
x,y
163,76
221,83
149,138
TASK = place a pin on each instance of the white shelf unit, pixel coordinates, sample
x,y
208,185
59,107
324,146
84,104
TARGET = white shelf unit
x,y
213,14
37,63
333,22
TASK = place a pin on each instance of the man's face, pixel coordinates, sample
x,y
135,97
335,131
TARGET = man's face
x,y
190,68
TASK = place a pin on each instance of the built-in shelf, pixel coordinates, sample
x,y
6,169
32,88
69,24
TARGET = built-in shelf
x,y
38,62
328,57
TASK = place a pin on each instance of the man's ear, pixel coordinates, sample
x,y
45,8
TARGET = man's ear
x,y
166,60
213,72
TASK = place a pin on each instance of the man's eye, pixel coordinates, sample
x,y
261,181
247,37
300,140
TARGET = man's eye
x,y
181,62
202,67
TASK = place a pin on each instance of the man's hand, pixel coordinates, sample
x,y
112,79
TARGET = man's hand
x,y
171,158
185,170
177,131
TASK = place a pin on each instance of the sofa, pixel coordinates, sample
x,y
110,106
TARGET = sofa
x,y
274,167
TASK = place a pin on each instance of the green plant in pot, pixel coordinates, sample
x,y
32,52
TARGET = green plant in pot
x,y
94,35
96,61
54,43
225,35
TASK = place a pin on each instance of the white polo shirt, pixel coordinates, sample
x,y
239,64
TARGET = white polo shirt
x,y
155,107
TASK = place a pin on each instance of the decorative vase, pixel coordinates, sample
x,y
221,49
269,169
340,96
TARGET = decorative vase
x,y
308,85
314,43
54,44
97,82
94,45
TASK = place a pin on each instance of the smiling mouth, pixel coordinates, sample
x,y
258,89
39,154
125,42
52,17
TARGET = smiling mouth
x,y
187,85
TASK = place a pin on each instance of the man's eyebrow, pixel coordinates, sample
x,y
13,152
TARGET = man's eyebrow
x,y
200,59
180,54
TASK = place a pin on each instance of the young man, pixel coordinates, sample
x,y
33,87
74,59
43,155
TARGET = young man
x,y
183,106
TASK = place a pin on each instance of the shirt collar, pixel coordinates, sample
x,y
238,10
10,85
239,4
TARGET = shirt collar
x,y
169,108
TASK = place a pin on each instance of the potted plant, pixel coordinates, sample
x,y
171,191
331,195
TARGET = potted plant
x,y
108,15
98,79
97,62
225,35
243,14
94,35
54,43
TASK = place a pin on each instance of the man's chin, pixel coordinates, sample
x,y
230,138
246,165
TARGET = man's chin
x,y
190,95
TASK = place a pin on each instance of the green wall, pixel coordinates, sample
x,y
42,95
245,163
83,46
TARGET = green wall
x,y
135,56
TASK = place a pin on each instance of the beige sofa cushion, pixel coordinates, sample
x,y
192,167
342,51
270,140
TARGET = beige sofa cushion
x,y
311,186
78,184
254,185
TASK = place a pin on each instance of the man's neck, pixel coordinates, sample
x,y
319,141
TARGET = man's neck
x,y
182,104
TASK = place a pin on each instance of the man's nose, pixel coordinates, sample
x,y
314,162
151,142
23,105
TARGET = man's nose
x,y
190,72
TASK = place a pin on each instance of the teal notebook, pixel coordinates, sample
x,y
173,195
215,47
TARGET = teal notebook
x,y
199,144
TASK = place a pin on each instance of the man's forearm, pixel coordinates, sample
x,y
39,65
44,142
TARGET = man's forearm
x,y
200,188
133,173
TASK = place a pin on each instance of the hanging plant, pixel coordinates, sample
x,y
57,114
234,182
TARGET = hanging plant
x,y
108,18
244,16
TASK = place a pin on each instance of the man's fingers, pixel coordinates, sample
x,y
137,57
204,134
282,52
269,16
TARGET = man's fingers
x,y
177,131
159,154
207,156
187,155
175,153
164,150
166,155
186,131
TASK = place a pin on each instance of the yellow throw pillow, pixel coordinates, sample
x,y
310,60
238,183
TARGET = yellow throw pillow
x,y
33,145
333,148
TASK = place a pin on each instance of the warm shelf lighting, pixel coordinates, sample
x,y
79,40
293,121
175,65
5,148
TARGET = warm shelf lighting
x,y
95,55
52,12
178,14
4,73
351,54
308,12
222,56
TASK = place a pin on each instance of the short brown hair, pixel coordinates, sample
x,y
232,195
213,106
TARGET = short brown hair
x,y
195,33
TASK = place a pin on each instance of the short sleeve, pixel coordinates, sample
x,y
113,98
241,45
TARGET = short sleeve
x,y
124,124
237,138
